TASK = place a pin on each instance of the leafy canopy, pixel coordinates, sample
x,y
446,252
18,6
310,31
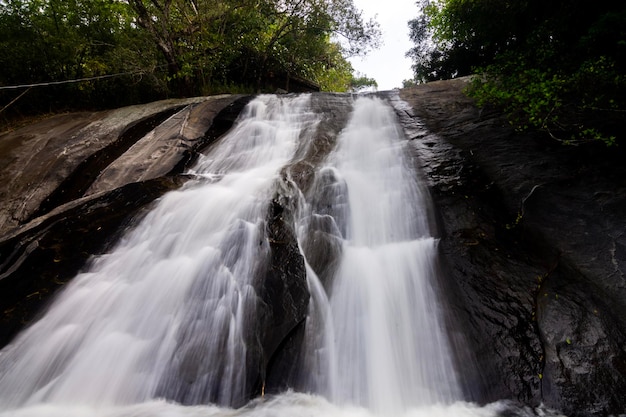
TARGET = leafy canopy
x,y
175,48
557,66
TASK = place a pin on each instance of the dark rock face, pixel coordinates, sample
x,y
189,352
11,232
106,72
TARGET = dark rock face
x,y
79,181
322,189
532,241
488,283
285,297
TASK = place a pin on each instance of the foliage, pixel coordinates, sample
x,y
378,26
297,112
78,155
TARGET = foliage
x,y
559,67
571,107
409,83
361,82
51,40
174,47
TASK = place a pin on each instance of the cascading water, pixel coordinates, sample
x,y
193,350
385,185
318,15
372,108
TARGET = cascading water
x,y
384,347
143,320
161,325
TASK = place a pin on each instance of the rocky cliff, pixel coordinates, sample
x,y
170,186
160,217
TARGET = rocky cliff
x,y
532,233
534,245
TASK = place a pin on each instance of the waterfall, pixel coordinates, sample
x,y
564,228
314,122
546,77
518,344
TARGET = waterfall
x,y
384,346
163,325
143,319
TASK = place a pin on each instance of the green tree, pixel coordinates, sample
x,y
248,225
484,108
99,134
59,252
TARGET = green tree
x,y
558,66
209,41
43,41
157,48
361,82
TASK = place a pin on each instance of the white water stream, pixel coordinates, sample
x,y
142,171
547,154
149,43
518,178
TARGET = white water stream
x,y
385,346
142,320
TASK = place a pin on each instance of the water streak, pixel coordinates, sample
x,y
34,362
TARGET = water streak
x,y
163,322
165,313
386,347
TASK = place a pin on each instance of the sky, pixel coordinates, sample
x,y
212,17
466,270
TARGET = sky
x,y
388,65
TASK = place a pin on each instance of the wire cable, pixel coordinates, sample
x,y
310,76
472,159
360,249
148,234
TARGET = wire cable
x,y
78,80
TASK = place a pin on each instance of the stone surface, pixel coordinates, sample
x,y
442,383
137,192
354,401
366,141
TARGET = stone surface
x,y
37,159
160,149
533,246
284,294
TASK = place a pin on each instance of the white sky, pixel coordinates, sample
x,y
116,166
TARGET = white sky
x,y
387,65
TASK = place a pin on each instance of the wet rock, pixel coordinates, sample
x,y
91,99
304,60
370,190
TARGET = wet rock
x,y
40,258
37,159
72,181
300,186
325,224
584,345
532,242
284,294
79,181
334,110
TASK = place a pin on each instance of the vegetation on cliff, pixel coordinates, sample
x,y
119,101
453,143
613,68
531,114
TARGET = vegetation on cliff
x,y
161,48
558,66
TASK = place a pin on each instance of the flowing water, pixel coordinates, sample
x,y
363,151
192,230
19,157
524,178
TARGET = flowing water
x,y
142,333
384,346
